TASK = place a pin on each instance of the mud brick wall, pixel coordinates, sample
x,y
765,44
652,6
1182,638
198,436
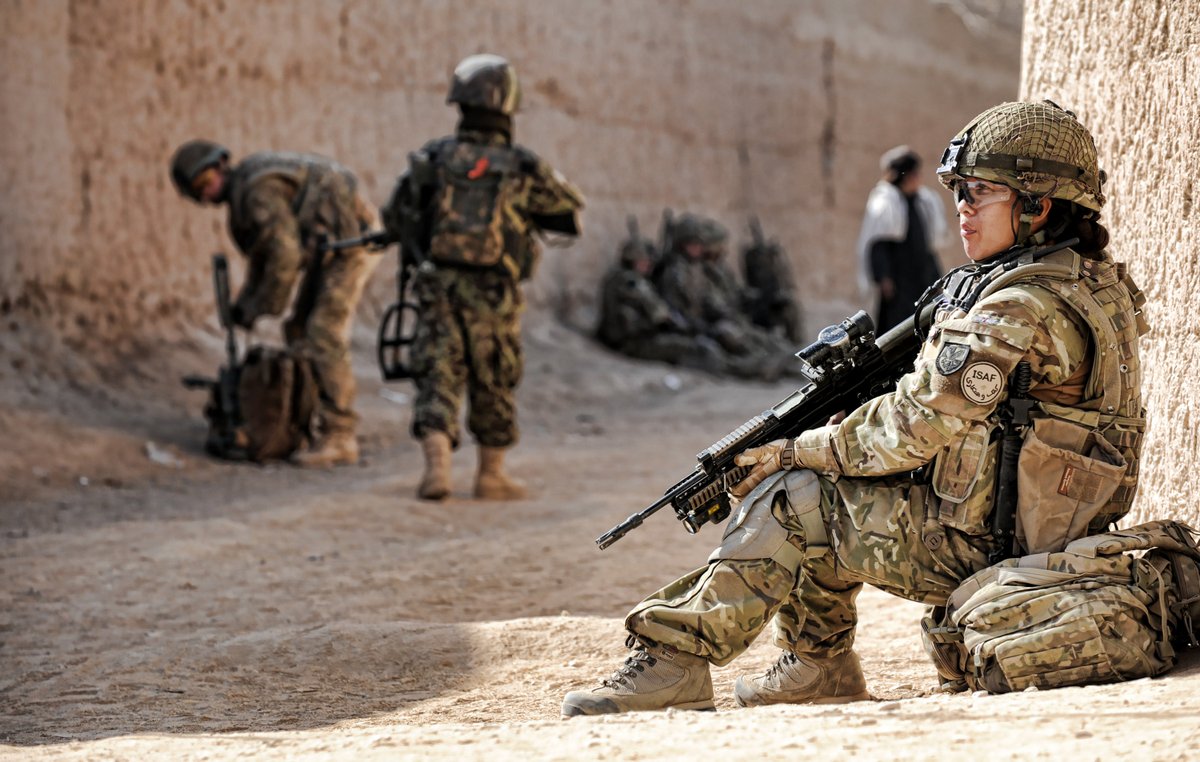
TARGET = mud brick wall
x,y
1129,70
774,107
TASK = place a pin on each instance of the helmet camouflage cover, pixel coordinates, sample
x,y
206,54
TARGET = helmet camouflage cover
x,y
687,228
486,82
191,159
636,249
1039,149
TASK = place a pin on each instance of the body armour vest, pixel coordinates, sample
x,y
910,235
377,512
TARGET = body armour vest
x,y
324,195
1107,300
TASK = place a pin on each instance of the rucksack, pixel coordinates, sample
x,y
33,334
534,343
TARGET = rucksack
x,y
1091,613
476,186
267,410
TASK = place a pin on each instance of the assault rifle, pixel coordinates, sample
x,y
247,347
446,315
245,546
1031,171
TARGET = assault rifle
x,y
757,239
666,234
398,326
223,410
843,368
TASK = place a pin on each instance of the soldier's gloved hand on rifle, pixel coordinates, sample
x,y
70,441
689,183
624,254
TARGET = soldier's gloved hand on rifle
x,y
804,451
238,315
766,460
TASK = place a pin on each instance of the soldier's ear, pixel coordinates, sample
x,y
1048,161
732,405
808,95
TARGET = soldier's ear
x,y
1045,203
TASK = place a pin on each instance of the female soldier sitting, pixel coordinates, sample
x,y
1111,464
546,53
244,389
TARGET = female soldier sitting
x,y
900,494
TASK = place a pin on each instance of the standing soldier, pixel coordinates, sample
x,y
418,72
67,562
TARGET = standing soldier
x,y
466,210
281,205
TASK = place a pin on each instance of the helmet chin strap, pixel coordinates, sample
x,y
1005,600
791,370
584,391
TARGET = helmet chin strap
x,y
1030,208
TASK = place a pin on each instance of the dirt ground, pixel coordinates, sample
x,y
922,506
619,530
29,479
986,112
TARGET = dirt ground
x,y
161,605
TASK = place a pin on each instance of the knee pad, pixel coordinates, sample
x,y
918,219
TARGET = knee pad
x,y
755,530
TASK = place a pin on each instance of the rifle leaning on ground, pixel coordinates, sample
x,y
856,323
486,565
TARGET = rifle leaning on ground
x,y
223,410
398,326
842,369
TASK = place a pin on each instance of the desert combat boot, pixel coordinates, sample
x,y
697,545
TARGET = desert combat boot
x,y
435,483
805,680
652,678
338,448
493,481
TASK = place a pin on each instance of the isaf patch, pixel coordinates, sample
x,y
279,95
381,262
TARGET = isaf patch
x,y
982,383
951,357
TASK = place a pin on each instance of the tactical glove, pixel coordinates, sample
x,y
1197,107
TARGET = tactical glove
x,y
767,459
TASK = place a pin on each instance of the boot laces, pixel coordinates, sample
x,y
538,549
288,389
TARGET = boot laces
x,y
634,665
786,658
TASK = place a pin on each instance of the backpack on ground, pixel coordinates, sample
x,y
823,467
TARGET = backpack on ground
x,y
277,397
1106,608
260,409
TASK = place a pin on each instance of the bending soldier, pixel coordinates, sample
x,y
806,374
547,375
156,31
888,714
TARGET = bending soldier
x,y
281,205
901,493
467,209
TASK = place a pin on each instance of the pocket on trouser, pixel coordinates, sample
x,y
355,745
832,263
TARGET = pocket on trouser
x,y
1066,474
510,358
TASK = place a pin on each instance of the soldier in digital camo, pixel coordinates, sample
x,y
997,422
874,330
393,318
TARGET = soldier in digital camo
x,y
281,205
467,210
900,493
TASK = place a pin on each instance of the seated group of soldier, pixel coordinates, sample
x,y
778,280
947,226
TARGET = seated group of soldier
x,y
683,305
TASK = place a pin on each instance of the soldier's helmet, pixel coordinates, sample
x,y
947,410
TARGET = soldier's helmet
x,y
485,81
1039,149
634,250
713,233
190,161
687,228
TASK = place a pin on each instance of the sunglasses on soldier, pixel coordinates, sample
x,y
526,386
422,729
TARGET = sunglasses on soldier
x,y
980,193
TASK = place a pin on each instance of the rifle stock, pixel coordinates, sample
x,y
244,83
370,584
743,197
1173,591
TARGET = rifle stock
x,y
845,367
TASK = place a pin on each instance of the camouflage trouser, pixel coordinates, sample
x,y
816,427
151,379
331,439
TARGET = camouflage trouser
x,y
703,353
878,534
678,349
319,329
468,342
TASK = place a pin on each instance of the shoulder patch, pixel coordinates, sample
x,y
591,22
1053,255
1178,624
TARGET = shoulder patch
x,y
951,358
982,383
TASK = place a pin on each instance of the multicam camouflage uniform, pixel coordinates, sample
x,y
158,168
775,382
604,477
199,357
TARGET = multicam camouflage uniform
x,y
280,204
468,340
901,493
913,536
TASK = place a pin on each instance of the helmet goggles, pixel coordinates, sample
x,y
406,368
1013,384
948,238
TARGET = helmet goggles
x,y
980,193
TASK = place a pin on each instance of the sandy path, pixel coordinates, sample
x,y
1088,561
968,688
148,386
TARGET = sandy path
x,y
214,611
